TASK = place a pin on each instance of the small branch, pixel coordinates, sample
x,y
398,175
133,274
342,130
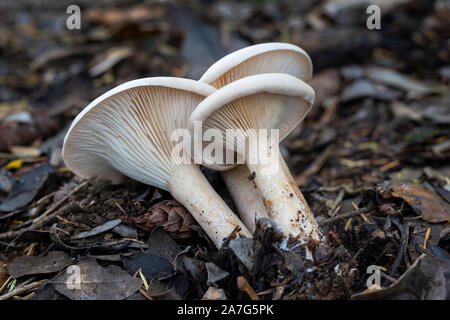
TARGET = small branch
x,y
389,278
22,289
243,285
401,250
315,166
47,216
343,216
39,220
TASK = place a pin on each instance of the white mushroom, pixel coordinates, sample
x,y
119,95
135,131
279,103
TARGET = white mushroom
x,y
274,57
246,197
265,101
127,132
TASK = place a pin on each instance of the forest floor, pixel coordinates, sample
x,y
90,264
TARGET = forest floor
x,y
371,158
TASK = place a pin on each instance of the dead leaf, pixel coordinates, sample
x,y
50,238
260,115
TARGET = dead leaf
x,y
26,188
99,229
152,266
22,151
248,251
424,202
109,59
397,80
214,293
97,283
407,111
363,88
3,273
215,273
426,279
116,17
53,262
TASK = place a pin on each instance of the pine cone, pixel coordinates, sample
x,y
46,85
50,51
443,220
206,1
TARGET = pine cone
x,y
169,214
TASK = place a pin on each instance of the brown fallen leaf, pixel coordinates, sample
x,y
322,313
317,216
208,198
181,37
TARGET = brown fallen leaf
x,y
3,273
424,202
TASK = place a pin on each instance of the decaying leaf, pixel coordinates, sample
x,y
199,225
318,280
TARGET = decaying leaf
x,y
214,293
26,188
160,243
107,60
3,273
427,279
114,17
215,273
248,251
152,266
395,79
96,282
423,201
53,262
99,229
162,291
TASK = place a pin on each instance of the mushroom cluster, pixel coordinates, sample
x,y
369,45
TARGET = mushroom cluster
x,y
127,133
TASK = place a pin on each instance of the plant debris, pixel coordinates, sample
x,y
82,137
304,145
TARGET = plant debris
x,y
53,262
97,283
371,158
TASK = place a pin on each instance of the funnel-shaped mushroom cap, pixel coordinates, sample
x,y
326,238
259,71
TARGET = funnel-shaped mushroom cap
x,y
271,57
127,131
263,101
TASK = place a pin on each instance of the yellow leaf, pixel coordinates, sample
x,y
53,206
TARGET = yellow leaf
x,y
15,164
143,279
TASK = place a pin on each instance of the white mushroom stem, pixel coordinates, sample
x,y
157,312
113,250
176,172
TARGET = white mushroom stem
x,y
246,197
190,187
284,202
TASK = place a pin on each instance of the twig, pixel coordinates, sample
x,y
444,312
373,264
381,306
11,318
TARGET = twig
x,y
315,166
38,221
22,289
401,250
231,237
243,285
427,236
43,218
347,188
343,216
145,294
332,211
389,278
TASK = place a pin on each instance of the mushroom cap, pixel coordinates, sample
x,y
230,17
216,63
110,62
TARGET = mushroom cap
x,y
273,57
264,101
127,130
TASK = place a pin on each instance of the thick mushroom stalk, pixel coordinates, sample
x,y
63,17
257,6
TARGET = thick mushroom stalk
x,y
285,203
274,57
265,101
190,187
127,132
246,197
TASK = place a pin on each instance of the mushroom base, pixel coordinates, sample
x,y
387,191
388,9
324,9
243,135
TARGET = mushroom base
x,y
285,203
189,186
